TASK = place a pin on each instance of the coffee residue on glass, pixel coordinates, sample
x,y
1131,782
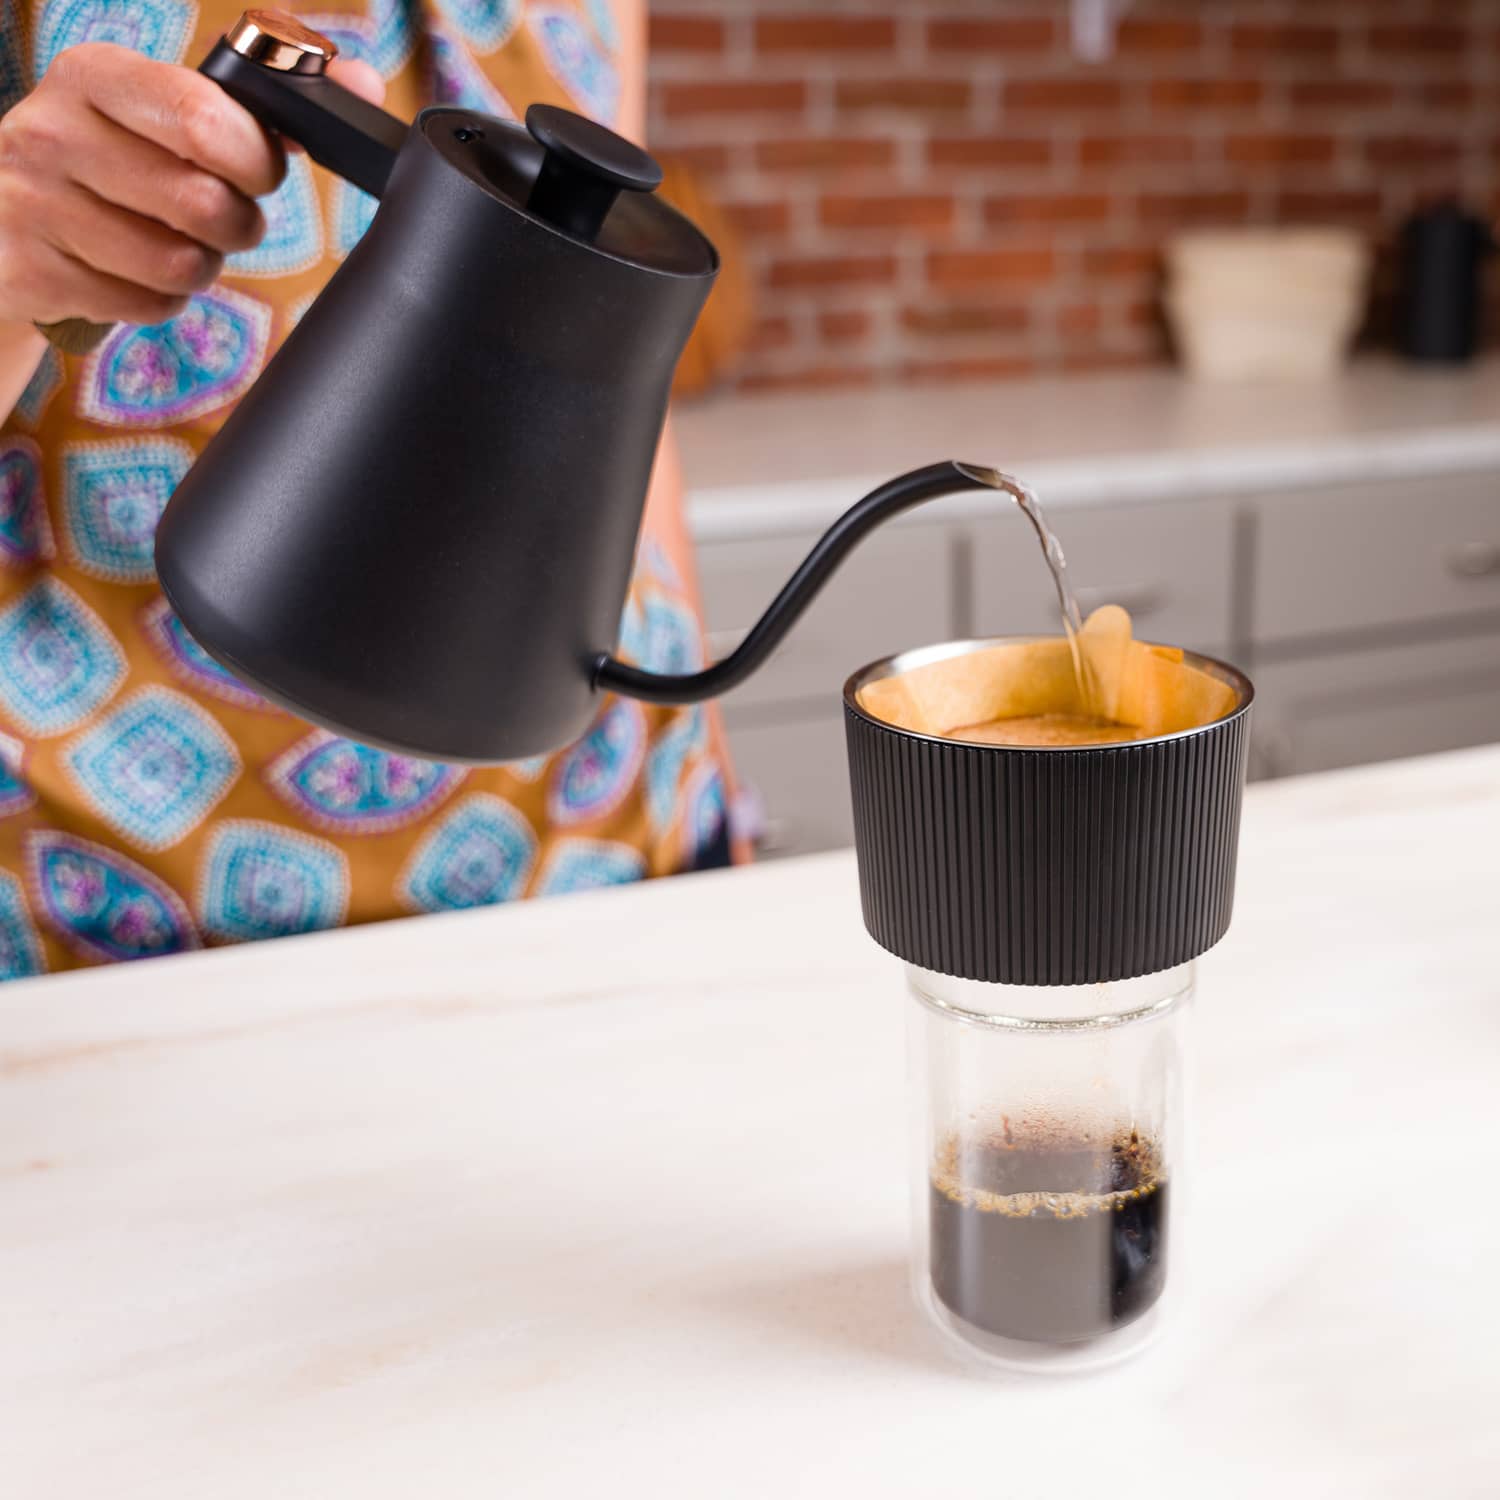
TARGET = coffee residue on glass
x,y
1052,1236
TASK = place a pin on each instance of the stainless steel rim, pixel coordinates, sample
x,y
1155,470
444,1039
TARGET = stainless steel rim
x,y
922,656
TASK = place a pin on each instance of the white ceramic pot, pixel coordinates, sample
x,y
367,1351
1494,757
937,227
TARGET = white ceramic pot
x,y
1268,304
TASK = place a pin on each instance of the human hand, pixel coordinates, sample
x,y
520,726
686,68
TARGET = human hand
x,y
124,182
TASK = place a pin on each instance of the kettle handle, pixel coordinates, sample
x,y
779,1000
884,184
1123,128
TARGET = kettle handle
x,y
890,499
273,65
339,130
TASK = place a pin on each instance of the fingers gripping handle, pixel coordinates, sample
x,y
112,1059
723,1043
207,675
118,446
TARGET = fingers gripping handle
x,y
274,65
347,134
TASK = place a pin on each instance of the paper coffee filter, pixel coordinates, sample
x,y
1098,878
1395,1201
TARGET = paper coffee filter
x,y
1149,689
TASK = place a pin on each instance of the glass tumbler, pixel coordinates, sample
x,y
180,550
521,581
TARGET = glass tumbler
x,y
1046,1172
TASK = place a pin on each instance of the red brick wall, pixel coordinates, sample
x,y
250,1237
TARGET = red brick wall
x,y
931,189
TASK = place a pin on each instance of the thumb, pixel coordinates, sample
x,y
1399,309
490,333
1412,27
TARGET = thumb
x,y
359,78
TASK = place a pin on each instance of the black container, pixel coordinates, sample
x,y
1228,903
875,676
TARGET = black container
x,y
1042,866
1439,295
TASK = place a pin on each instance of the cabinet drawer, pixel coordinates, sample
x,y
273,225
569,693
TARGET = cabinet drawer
x,y
892,592
798,768
1360,706
1171,566
1373,556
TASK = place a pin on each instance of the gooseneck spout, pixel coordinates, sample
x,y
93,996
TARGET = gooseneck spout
x,y
851,528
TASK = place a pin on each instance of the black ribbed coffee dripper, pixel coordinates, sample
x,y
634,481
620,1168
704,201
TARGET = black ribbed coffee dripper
x,y
1056,865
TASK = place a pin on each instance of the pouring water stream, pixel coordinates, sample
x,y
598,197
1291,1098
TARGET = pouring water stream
x,y
1057,565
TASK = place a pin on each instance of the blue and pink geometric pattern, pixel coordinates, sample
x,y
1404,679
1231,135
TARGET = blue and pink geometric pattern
x,y
113,496
354,36
456,81
632,638
193,665
153,767
298,309
157,28
343,787
484,24
528,769
168,751
199,361
684,737
25,534
576,60
592,778
703,811
653,562
395,36
589,865
58,663
671,637
13,79
352,212
43,385
481,853
102,904
602,19
261,881
16,794
293,240
21,953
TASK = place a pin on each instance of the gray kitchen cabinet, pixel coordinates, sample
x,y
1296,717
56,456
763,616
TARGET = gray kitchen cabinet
x,y
894,591
1335,561
1347,708
796,769
1171,566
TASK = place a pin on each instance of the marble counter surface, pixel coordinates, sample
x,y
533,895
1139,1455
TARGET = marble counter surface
x,y
605,1196
769,464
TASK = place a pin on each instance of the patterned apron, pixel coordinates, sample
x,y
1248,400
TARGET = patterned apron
x,y
149,802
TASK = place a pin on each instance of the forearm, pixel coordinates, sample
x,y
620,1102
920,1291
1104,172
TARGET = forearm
x,y
21,348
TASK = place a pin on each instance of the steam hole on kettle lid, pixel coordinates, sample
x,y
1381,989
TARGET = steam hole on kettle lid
x,y
466,133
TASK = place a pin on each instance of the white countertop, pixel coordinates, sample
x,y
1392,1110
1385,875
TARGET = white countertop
x,y
605,1196
769,464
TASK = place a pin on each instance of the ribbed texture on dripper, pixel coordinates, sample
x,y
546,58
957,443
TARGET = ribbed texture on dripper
x,y
1027,866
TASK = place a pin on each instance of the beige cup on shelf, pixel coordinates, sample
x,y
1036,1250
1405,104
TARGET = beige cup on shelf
x,y
1267,304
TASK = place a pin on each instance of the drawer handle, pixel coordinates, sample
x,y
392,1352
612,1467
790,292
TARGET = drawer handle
x,y
1474,560
1146,599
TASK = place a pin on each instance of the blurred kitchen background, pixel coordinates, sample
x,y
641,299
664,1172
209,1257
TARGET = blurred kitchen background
x,y
1211,274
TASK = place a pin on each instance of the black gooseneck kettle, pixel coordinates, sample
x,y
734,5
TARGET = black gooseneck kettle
x,y
417,528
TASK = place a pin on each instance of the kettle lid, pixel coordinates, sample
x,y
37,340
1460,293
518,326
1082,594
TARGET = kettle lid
x,y
577,178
